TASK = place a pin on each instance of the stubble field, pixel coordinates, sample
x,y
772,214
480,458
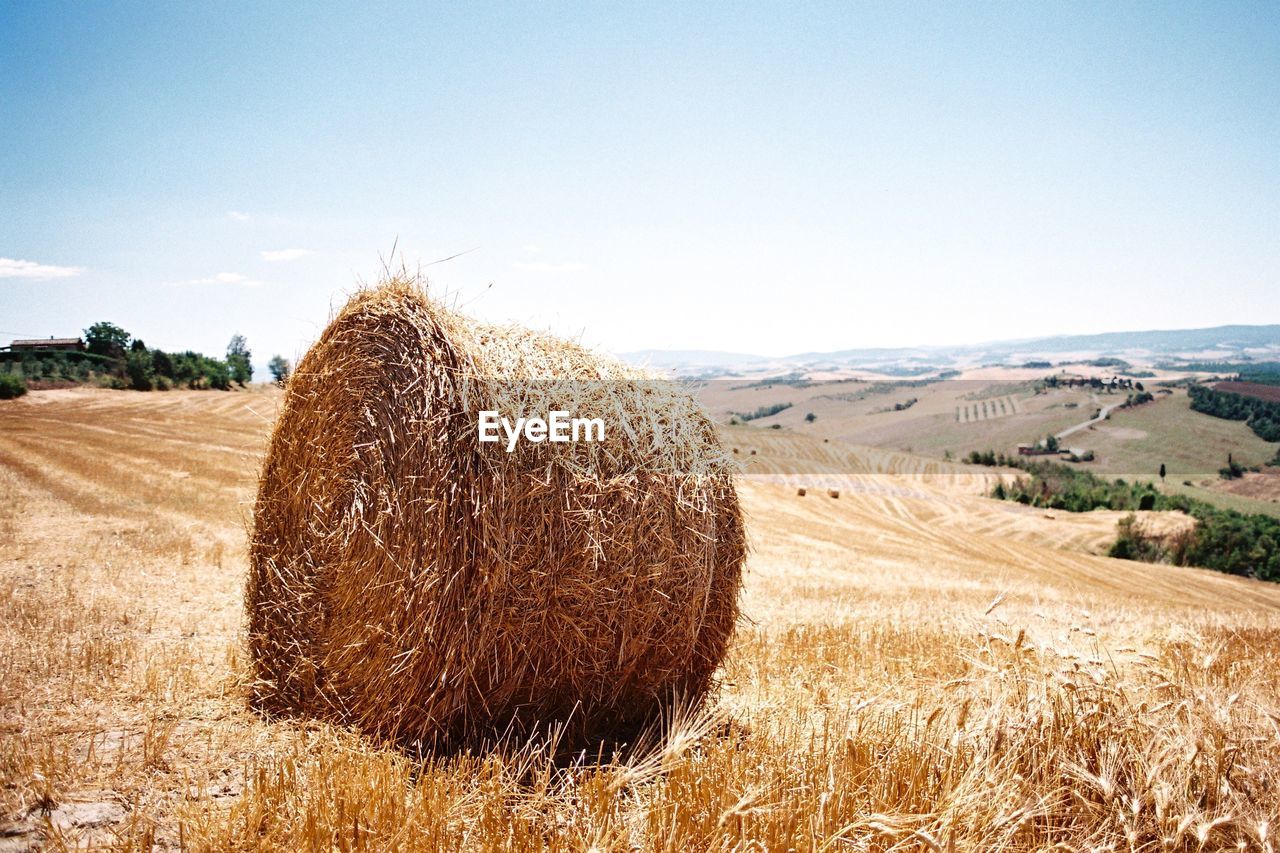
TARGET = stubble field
x,y
919,668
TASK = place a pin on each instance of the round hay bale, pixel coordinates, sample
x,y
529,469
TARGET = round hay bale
x,y
431,589
800,492
835,493
753,453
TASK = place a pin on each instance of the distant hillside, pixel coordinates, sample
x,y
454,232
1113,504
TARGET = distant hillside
x,y
918,360
1162,341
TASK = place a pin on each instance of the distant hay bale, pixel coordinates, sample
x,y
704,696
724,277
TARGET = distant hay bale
x,y
753,453
431,589
735,450
800,492
834,493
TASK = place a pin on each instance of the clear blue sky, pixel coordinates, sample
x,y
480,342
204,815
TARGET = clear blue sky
x,y
752,178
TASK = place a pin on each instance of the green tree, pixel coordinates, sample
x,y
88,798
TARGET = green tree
x,y
280,369
810,418
216,373
162,362
106,339
238,360
139,369
1051,443
1162,472
1233,471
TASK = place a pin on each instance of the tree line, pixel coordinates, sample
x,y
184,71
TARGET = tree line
x,y
146,369
761,412
1223,539
1262,372
1262,416
116,359
1110,386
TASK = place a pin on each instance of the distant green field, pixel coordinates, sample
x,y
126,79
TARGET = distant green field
x,y
1134,443
1192,446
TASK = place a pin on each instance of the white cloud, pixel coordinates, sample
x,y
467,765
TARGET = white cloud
x,y
11,268
238,216
546,266
531,247
223,278
285,254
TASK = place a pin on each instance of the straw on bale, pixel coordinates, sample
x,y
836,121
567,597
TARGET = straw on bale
x,y
429,588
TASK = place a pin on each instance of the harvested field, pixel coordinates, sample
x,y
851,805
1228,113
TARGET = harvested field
x,y
1251,389
922,669
1261,485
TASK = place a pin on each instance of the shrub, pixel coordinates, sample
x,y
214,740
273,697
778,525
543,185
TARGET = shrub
x,y
1233,471
11,386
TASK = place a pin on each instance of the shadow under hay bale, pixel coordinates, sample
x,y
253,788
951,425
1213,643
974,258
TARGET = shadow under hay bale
x,y
441,592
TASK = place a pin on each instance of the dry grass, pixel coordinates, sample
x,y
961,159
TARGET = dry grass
x,y
907,681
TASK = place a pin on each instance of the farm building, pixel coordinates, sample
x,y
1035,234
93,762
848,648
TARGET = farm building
x,y
43,344
1033,450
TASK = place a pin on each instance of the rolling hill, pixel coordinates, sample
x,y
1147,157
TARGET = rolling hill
x,y
1236,341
